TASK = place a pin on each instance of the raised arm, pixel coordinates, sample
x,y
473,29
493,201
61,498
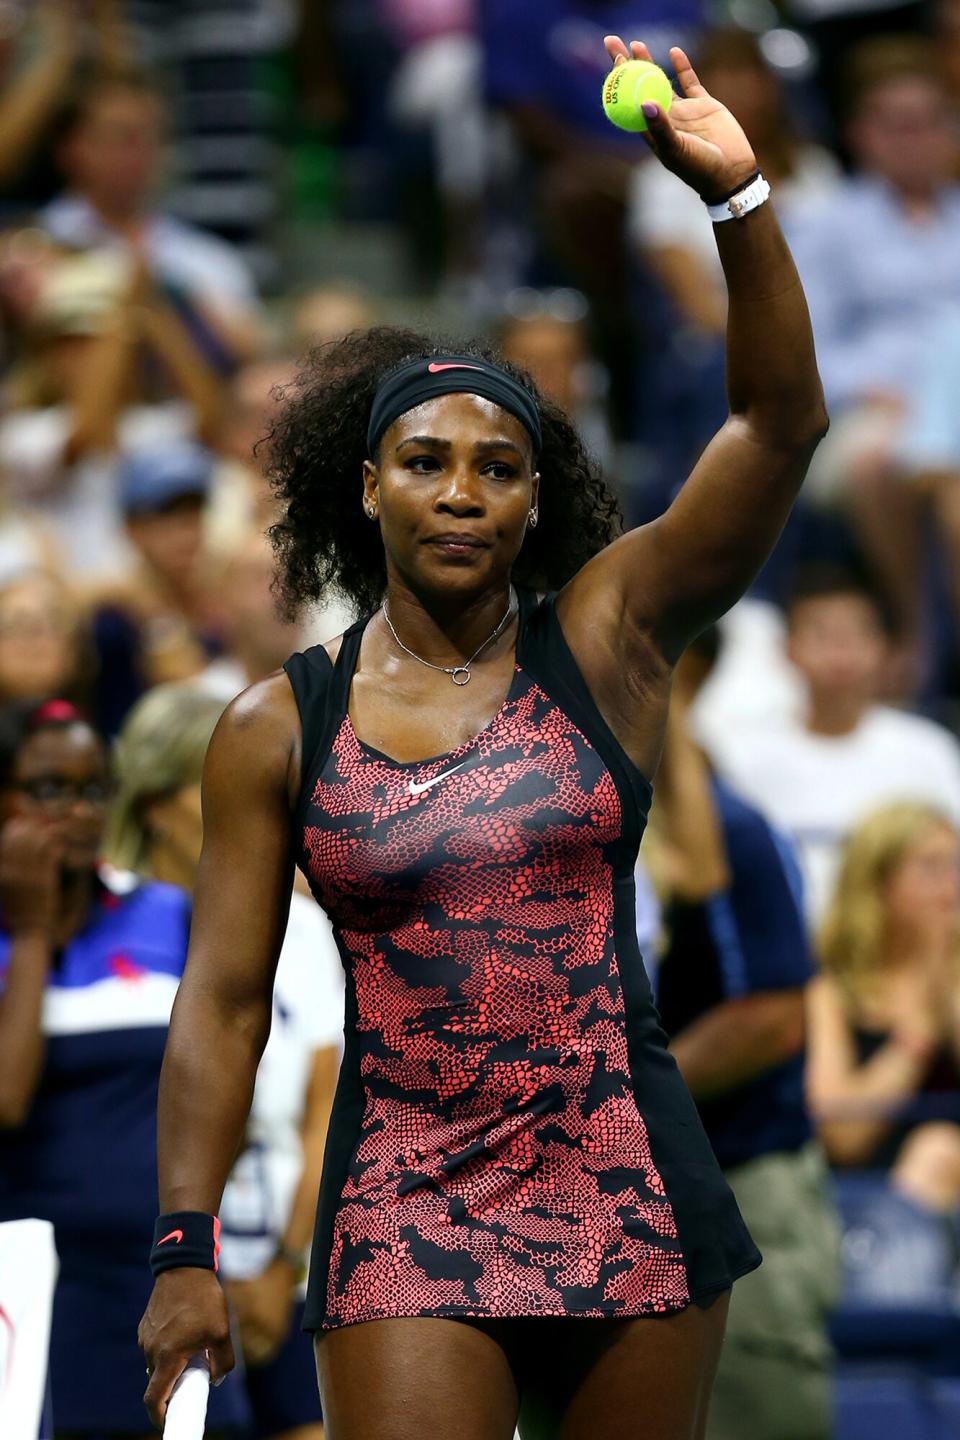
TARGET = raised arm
x,y
661,584
103,386
30,99
221,1018
195,380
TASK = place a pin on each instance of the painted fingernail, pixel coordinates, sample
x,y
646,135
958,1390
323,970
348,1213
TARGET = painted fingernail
x,y
650,109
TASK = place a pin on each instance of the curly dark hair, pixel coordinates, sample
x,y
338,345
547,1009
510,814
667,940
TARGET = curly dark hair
x,y
316,451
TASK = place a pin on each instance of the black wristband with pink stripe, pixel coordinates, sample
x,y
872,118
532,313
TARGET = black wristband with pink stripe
x,y
185,1238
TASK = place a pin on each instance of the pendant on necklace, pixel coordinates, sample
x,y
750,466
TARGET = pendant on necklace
x,y
461,675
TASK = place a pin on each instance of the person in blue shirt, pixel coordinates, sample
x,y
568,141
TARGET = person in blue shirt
x,y
730,992
90,962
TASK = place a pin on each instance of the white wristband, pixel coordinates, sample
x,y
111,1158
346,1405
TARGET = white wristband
x,y
751,197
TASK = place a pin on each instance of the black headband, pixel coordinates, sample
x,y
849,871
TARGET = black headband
x,y
425,379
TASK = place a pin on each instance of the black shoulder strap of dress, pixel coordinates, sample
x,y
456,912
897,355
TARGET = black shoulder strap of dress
x,y
545,655
321,688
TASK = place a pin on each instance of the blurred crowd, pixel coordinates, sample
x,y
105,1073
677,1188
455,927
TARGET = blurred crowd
x,y
183,189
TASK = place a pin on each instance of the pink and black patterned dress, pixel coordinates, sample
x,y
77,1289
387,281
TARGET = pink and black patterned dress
x,y
510,1136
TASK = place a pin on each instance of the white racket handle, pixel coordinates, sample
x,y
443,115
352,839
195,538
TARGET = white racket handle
x,y
187,1406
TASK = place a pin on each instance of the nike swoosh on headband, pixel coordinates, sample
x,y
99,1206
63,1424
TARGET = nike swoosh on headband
x,y
435,369
416,789
176,1235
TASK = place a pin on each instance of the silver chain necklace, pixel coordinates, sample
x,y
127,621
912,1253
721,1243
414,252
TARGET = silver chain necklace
x,y
459,674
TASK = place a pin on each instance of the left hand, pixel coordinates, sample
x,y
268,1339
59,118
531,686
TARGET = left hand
x,y
699,140
263,1309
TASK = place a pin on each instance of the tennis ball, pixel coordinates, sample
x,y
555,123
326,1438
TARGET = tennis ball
x,y
628,86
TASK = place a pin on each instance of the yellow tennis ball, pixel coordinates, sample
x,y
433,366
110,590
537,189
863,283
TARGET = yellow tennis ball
x,y
628,86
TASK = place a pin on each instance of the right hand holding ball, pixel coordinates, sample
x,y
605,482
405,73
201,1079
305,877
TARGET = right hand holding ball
x,y
690,132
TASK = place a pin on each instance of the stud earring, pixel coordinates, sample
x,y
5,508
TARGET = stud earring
x,y
371,512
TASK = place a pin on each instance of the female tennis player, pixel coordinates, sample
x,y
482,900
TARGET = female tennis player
x,y
520,1216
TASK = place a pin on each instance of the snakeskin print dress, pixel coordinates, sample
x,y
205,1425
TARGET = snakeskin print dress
x,y
510,1136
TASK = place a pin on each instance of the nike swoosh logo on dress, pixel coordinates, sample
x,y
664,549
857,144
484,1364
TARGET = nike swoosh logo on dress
x,y
416,789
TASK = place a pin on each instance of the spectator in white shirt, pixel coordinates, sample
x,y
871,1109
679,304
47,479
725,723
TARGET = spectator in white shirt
x,y
110,155
817,777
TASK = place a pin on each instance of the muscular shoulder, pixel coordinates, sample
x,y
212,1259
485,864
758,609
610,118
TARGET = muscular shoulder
x,y
257,739
266,709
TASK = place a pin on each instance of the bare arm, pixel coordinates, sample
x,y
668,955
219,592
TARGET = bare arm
x,y
854,1104
29,889
316,1118
32,97
21,1042
727,517
221,1018
655,588
96,404
196,382
690,825
739,1041
144,317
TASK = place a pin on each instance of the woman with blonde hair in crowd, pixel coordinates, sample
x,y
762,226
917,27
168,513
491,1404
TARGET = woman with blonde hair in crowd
x,y
269,1203
884,1037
